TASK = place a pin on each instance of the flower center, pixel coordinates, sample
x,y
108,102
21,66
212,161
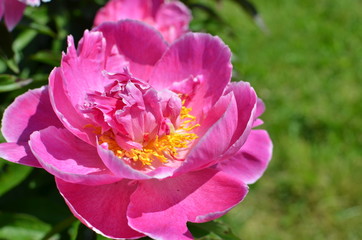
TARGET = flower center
x,y
161,148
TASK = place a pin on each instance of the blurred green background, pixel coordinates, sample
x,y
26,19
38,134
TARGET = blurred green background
x,y
305,64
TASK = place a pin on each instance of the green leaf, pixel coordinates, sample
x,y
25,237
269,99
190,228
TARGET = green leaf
x,y
23,39
21,227
60,227
43,29
11,174
47,57
11,82
216,227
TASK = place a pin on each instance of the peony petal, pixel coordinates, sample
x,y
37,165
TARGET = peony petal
x,y
212,144
67,113
141,44
13,11
123,170
82,68
196,59
252,159
247,104
2,8
69,158
29,112
225,128
117,165
160,209
173,20
260,108
18,153
102,208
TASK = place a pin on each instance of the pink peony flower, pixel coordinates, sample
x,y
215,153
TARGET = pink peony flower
x,y
170,18
142,137
13,10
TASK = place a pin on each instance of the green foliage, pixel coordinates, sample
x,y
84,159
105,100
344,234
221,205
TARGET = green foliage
x,y
21,227
11,175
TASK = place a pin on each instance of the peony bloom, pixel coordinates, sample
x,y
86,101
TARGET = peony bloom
x,y
142,137
13,10
170,18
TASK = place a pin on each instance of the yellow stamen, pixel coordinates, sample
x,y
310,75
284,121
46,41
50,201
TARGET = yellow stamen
x,y
161,148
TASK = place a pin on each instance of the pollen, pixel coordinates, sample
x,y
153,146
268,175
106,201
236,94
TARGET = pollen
x,y
161,148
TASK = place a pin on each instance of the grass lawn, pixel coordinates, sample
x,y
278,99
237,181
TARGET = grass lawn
x,y
308,71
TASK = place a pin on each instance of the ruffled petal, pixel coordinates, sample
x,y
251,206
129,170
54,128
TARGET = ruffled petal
x,y
82,68
101,208
252,159
160,209
198,67
69,158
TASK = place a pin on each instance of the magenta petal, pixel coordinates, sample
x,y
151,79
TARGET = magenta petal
x,y
13,11
2,9
173,20
260,108
102,208
141,44
18,153
117,165
122,170
199,56
247,106
216,140
67,113
69,158
29,112
160,209
82,68
252,159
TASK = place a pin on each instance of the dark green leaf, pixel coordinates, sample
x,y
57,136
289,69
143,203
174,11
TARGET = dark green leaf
x,y
11,174
21,227
10,82
42,29
60,227
23,39
47,57
216,227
